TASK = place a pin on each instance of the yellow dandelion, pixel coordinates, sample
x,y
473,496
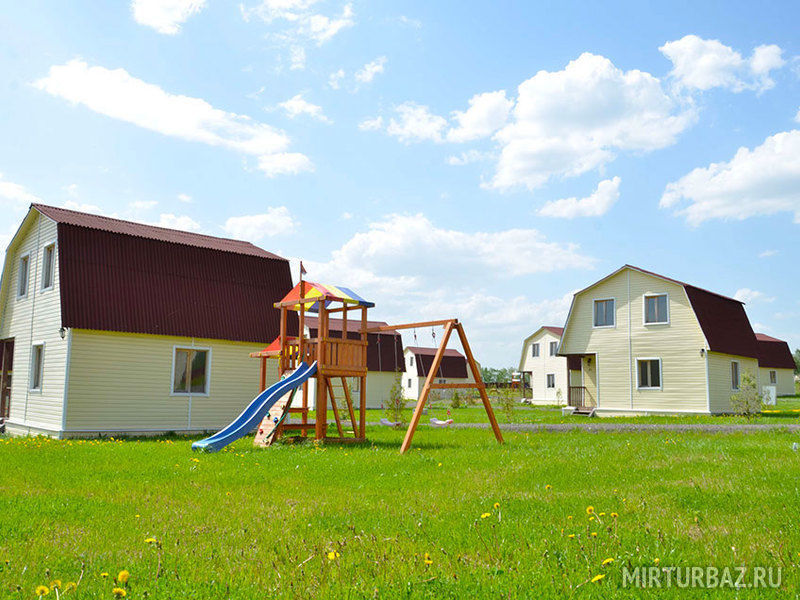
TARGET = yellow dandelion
x,y
137,516
548,487
657,560
123,576
571,536
569,517
150,540
486,515
602,514
589,510
614,515
56,583
103,574
591,518
439,465
71,586
608,561
333,555
597,578
496,505
594,534
195,460
119,592
428,560
42,590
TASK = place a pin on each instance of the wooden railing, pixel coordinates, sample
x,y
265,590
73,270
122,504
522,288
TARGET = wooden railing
x,y
577,396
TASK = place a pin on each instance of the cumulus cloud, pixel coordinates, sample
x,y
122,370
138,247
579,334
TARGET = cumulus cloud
x,y
117,94
468,157
749,296
761,181
165,16
487,113
700,64
297,105
15,196
416,123
368,72
371,124
256,228
767,253
335,79
181,222
595,205
185,198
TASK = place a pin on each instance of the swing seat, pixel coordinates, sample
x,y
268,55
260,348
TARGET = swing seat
x,y
386,422
439,423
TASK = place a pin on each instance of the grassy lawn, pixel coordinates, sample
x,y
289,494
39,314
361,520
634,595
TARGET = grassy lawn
x,y
459,516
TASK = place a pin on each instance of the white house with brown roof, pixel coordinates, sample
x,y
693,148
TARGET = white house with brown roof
x,y
645,343
544,378
113,327
775,364
419,360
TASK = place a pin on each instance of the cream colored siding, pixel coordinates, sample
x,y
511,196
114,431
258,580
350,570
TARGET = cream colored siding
x,y
719,376
34,319
677,344
785,380
123,382
540,366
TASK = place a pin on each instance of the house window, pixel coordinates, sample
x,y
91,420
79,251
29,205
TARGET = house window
x,y
534,350
24,272
190,371
443,381
604,313
48,262
409,382
649,373
551,380
37,367
656,309
553,348
410,361
773,377
734,375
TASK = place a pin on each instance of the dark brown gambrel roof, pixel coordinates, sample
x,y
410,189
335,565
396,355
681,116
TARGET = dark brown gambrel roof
x,y
126,277
454,364
384,357
773,353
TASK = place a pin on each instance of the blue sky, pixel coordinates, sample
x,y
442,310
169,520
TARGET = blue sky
x,y
441,158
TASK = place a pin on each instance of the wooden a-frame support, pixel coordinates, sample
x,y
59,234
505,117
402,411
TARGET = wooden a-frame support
x,y
449,326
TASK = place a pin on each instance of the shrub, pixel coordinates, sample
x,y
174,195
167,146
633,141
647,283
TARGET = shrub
x,y
455,399
748,400
507,400
395,409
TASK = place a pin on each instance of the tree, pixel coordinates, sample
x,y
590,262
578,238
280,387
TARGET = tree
x,y
797,361
748,401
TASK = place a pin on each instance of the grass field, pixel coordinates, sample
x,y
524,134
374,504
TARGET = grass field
x,y
459,516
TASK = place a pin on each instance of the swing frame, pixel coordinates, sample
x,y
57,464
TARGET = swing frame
x,y
449,325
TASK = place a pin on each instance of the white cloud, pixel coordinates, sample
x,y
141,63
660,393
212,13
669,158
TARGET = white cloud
x,y
185,198
117,94
297,105
797,116
761,181
255,228
72,190
416,123
346,216
371,124
87,208
181,222
415,270
487,113
595,205
767,253
749,296
165,16
284,163
335,79
15,196
297,58
142,205
468,157
704,64
568,122
368,72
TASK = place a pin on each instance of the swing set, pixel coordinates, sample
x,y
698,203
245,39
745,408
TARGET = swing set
x,y
338,358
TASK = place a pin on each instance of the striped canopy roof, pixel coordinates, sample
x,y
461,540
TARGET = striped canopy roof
x,y
330,293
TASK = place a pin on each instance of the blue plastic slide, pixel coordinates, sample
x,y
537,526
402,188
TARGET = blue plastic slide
x,y
255,412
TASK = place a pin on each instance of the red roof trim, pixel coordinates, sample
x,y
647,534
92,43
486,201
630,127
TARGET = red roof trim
x,y
423,351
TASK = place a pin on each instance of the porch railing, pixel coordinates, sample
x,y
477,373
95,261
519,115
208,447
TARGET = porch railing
x,y
577,396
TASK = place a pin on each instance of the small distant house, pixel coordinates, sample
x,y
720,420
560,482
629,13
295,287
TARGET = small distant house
x,y
113,327
419,360
544,374
384,360
642,343
775,364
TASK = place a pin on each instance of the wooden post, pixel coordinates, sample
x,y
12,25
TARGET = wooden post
x,y
362,389
304,416
476,375
284,357
437,360
321,427
302,326
262,379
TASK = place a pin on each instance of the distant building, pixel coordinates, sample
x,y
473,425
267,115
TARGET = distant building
x,y
544,374
418,363
775,364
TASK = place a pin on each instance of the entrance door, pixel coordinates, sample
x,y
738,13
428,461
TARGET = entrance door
x,y
6,368
589,366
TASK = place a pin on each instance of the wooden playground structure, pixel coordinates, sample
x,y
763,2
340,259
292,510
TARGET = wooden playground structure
x,y
340,358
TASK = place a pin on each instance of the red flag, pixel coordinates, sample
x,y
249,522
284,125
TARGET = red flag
x,y
302,269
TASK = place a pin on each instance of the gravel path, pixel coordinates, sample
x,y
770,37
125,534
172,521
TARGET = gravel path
x,y
601,427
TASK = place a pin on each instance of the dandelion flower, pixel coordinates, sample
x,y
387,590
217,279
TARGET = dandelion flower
x,y
119,592
657,560
591,518
486,515
71,586
589,510
428,560
569,517
597,578
42,590
150,540
608,561
496,505
594,534
56,583
123,576
602,514
333,555
614,515
571,536
103,574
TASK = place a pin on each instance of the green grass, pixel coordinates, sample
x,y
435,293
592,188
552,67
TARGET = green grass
x,y
260,523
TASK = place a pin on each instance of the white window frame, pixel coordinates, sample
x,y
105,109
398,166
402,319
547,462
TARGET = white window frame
x,y
207,391
660,385
547,381
553,348
36,390
22,296
409,383
594,312
52,266
535,347
738,376
411,361
773,377
644,309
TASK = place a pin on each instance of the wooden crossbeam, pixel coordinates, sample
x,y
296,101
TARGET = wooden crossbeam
x,y
457,386
443,323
